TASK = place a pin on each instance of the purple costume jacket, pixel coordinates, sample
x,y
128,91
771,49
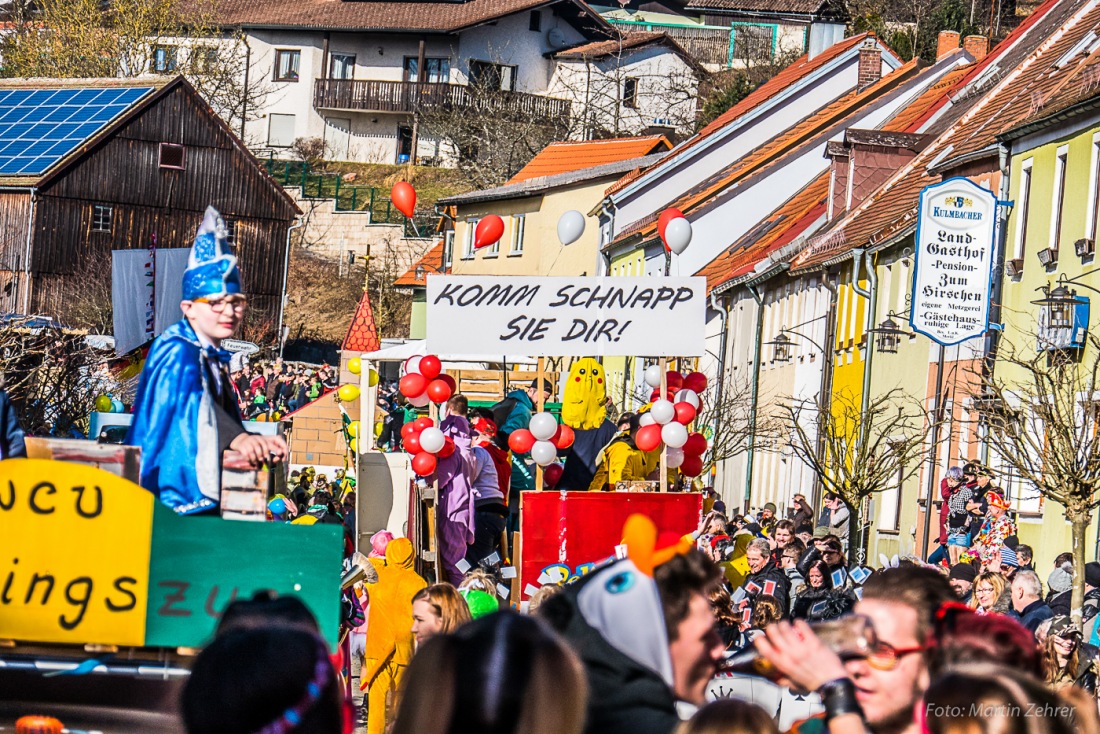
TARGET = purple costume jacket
x,y
456,497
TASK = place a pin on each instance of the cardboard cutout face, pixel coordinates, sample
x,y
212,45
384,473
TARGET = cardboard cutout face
x,y
584,402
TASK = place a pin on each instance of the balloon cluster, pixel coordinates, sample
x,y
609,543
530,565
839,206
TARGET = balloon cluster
x,y
669,416
108,404
674,229
425,382
543,438
423,439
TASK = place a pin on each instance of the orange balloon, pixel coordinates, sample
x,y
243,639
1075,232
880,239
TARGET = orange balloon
x,y
489,230
403,196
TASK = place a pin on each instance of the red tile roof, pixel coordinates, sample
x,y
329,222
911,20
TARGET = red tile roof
x,y
892,210
807,130
432,261
425,15
566,157
800,68
780,228
363,333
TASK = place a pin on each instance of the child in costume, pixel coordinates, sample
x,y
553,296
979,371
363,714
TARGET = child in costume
x,y
186,412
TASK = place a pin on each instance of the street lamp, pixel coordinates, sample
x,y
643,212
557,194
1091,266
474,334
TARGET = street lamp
x,y
1060,303
781,348
888,335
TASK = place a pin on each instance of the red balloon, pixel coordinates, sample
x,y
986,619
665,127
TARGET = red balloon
x,y
422,422
412,444
448,448
403,196
488,230
439,391
551,475
521,441
413,385
685,413
430,366
674,380
696,444
664,218
424,463
696,382
648,437
409,429
450,381
692,466
564,438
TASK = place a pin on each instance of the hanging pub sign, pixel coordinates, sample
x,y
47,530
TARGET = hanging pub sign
x,y
953,268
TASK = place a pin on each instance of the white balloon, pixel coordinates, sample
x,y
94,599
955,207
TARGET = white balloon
x,y
420,400
645,420
674,435
663,411
412,365
432,440
570,227
688,396
678,235
653,375
543,426
543,453
674,457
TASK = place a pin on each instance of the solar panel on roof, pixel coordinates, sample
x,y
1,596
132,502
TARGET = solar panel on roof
x,y
39,127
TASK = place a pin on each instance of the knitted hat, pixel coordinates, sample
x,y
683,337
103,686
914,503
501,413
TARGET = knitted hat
x,y
1092,573
963,572
770,506
1008,557
1061,578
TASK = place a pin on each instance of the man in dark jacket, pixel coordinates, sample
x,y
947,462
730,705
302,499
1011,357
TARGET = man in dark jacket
x,y
645,643
1028,602
764,576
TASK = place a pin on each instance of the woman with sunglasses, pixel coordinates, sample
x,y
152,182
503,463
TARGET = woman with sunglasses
x,y
1067,660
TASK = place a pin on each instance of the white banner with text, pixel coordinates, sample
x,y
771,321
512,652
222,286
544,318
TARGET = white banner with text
x,y
518,316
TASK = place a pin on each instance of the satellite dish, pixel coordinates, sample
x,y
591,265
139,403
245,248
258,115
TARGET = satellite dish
x,y
556,38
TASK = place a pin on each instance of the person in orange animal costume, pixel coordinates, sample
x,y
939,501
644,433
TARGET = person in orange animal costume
x,y
389,632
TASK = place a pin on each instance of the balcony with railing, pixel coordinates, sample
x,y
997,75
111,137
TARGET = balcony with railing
x,y
366,95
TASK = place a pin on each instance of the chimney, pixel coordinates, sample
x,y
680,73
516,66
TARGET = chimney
x,y
947,42
870,64
976,46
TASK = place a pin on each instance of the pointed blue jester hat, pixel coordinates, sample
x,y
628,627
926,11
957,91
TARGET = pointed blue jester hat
x,y
211,269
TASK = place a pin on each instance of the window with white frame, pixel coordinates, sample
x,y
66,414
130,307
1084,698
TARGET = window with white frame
x,y
448,249
468,245
493,250
165,59
1023,206
519,223
102,217
1057,205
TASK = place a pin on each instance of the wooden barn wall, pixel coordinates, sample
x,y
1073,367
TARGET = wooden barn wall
x,y
124,172
14,218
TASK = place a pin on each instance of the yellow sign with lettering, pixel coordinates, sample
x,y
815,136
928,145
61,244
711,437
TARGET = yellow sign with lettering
x,y
74,554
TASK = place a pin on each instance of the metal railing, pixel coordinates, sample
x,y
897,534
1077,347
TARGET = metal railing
x,y
382,96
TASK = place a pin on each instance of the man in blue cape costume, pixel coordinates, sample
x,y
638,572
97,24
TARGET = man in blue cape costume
x,y
186,413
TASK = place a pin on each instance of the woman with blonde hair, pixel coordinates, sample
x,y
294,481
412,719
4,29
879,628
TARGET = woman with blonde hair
x,y
438,609
989,594
502,674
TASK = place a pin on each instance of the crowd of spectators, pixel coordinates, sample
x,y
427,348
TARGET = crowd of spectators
x,y
268,390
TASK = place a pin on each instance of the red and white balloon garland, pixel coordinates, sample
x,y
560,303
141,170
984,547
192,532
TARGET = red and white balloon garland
x,y
668,417
424,381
